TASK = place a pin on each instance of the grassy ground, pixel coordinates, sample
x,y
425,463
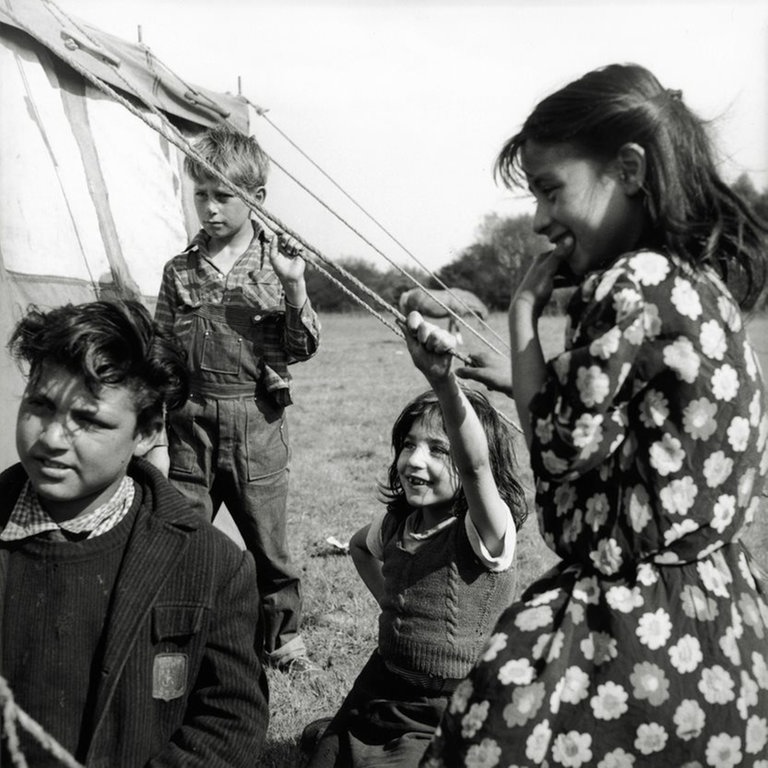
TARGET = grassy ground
x,y
346,400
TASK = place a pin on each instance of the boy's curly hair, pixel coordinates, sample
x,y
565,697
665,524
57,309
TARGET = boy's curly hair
x,y
233,154
500,450
108,343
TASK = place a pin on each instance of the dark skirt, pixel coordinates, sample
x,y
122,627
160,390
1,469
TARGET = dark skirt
x,y
384,721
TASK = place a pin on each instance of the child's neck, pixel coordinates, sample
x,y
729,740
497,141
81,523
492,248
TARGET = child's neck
x,y
63,511
225,251
431,516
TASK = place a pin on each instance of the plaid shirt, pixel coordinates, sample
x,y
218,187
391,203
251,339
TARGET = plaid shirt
x,y
29,518
191,280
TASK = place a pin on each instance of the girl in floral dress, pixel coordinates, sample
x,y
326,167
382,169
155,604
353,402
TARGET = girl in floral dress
x,y
648,644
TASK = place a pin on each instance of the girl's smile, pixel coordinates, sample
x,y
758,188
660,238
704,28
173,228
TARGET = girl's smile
x,y
586,208
425,467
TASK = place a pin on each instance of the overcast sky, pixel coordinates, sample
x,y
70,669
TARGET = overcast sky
x,y
406,103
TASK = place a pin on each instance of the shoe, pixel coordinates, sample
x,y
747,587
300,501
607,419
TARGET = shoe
x,y
312,733
297,666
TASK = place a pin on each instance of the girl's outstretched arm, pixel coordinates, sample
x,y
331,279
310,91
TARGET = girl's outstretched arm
x,y
430,347
368,567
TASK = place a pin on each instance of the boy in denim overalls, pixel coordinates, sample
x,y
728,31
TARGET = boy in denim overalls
x,y
239,304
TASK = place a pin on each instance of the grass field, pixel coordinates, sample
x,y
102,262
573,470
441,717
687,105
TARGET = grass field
x,y
346,399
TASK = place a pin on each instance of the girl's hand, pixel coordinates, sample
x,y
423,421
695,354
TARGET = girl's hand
x,y
538,283
286,257
489,368
430,347
528,365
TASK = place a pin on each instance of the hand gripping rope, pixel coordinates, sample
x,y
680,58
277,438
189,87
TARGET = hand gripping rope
x,y
166,129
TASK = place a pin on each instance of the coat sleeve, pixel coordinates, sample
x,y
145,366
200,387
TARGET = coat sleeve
x,y
301,334
227,711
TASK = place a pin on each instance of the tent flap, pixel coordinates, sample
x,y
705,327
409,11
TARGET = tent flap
x,y
95,200
118,62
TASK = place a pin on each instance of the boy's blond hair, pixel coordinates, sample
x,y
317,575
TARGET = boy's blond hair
x,y
233,154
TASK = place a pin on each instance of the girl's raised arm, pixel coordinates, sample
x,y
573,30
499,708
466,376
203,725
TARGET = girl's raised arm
x,y
430,348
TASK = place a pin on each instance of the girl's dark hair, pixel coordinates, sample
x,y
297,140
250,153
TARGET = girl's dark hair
x,y
500,451
107,343
690,210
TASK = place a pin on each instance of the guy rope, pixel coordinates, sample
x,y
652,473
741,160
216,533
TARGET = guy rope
x,y
13,717
166,129
261,112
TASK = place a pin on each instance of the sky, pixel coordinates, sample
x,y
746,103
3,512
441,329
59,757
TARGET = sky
x,y
406,103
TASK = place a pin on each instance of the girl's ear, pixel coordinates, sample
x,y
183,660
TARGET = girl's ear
x,y
631,162
260,194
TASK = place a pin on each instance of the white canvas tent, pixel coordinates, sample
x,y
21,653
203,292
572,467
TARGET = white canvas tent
x,y
92,200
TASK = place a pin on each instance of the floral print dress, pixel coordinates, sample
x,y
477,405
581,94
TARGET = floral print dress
x,y
648,644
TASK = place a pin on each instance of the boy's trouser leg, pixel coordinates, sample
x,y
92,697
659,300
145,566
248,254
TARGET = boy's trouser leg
x,y
235,451
253,463
192,434
261,521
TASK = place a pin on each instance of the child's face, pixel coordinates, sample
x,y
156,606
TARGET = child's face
x,y
584,199
74,446
222,215
427,473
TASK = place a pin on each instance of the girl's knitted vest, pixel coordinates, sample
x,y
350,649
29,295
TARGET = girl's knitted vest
x,y
440,603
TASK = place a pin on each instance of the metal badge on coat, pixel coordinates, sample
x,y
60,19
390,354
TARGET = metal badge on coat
x,y
169,676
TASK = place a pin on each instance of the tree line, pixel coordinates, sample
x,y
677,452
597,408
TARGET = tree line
x,y
490,267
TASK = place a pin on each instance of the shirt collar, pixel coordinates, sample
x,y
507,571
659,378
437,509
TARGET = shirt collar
x,y
29,517
200,241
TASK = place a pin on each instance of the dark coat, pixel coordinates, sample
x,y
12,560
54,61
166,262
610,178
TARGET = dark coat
x,y
181,682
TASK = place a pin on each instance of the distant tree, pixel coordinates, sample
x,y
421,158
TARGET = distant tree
x,y
480,269
757,200
493,266
328,297
512,234
393,282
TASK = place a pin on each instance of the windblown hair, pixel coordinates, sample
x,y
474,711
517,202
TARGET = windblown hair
x,y
690,210
500,449
108,343
233,154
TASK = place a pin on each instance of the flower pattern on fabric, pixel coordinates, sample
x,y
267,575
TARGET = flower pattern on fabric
x,y
647,645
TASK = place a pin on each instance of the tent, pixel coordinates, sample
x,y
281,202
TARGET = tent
x,y
94,201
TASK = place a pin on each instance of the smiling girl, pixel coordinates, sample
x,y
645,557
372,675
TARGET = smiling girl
x,y
646,645
438,561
